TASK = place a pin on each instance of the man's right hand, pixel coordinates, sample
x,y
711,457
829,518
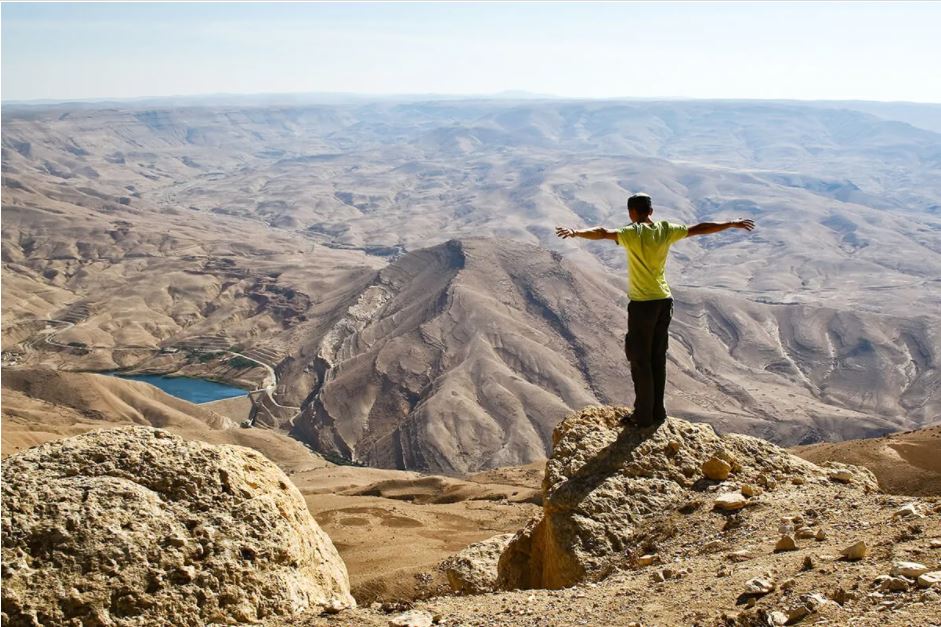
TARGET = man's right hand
x,y
564,233
748,225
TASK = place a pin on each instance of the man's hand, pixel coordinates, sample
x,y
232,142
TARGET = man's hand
x,y
748,225
564,233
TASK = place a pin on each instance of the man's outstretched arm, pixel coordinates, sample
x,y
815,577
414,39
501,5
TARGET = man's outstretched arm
x,y
707,228
599,232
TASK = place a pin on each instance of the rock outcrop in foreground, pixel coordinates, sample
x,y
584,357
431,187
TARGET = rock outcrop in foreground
x,y
135,526
604,481
474,570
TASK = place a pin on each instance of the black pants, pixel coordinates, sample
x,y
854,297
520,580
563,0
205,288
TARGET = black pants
x,y
648,326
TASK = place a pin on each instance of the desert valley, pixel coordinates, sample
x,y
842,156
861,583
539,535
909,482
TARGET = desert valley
x,y
417,351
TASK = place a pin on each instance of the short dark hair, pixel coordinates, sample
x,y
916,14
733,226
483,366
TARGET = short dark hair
x,y
640,202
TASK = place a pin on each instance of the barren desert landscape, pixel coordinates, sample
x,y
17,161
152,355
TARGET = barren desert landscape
x,y
383,277
394,263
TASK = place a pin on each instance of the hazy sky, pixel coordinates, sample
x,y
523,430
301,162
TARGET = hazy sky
x,y
871,51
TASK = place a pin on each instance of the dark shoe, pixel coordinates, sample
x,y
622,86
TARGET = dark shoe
x,y
645,424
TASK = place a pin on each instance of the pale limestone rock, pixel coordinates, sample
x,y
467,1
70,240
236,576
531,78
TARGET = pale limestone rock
x,y
750,490
856,551
785,543
894,584
412,618
909,510
604,480
716,469
646,560
139,524
741,556
929,579
909,569
729,501
847,473
805,533
758,586
474,570
841,474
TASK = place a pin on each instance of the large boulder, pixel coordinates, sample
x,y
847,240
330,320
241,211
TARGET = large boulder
x,y
604,480
135,526
474,570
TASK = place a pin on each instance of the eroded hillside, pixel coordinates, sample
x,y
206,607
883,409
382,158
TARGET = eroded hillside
x,y
268,231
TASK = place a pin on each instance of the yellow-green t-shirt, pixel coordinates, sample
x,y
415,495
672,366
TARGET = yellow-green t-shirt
x,y
647,246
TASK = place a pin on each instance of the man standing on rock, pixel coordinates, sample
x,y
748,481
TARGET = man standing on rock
x,y
651,303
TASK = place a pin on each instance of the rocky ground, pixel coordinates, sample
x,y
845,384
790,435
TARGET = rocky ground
x,y
778,558
640,512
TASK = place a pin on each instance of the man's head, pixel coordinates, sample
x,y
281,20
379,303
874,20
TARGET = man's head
x,y
639,207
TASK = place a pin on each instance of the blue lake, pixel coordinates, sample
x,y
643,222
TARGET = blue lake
x,y
192,390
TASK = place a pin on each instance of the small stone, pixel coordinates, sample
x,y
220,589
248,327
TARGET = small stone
x,y
777,618
713,546
842,596
673,447
930,596
797,480
935,544
785,543
894,584
412,618
184,574
334,606
730,501
821,535
929,579
909,569
805,533
814,601
795,614
808,563
750,490
788,584
646,560
758,586
657,576
908,511
841,475
740,556
716,469
856,551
